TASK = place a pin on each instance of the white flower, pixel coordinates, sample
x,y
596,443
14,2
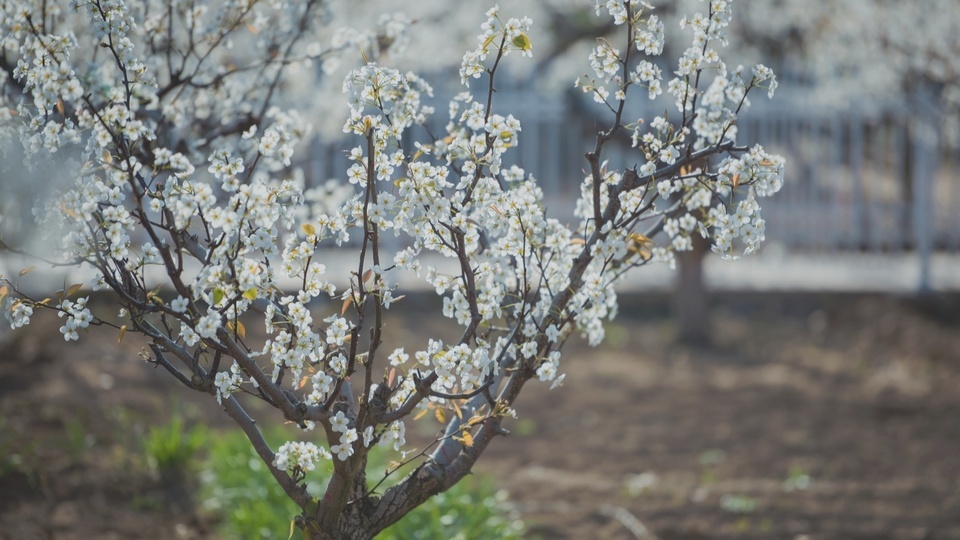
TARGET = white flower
x,y
82,319
395,434
339,365
669,155
368,436
664,188
348,436
339,422
687,222
189,336
343,451
553,333
398,357
179,304
547,371
69,330
207,326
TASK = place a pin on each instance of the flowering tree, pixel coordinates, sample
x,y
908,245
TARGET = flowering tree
x,y
181,199
881,49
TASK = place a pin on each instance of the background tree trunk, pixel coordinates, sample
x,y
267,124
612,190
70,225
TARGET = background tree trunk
x,y
690,298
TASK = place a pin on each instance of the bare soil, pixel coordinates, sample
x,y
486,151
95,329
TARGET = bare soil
x,y
808,417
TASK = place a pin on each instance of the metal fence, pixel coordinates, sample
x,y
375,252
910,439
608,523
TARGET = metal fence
x,y
857,182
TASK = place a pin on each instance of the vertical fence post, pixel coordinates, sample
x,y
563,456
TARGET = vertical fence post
x,y
922,211
858,218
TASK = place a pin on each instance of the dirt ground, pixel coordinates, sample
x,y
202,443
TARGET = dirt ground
x,y
809,417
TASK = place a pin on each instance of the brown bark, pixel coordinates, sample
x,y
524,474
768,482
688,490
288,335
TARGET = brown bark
x,y
690,297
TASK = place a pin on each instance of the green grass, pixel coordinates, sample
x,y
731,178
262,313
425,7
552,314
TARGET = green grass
x,y
172,446
78,440
239,489
473,508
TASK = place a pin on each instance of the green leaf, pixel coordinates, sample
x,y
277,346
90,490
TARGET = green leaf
x,y
217,296
250,294
522,42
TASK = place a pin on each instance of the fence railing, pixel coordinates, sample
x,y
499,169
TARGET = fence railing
x,y
877,182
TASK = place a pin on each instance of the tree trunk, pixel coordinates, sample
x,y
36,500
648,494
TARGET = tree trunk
x,y
690,297
348,528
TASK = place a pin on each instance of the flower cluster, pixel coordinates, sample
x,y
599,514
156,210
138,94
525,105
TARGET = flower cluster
x,y
299,456
647,37
17,312
348,435
498,37
78,316
226,382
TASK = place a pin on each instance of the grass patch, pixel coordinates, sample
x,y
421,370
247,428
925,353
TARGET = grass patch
x,y
238,487
171,446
